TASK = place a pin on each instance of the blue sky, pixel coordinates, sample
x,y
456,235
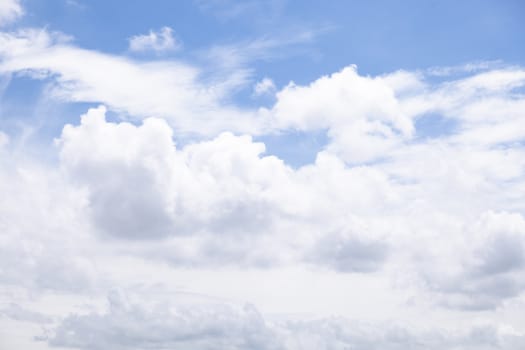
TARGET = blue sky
x,y
292,175
378,36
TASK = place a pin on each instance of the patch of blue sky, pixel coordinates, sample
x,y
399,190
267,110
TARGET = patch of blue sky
x,y
378,35
31,116
519,92
295,148
434,125
20,97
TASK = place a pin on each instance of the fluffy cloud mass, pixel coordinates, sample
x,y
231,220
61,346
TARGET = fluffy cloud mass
x,y
150,220
10,10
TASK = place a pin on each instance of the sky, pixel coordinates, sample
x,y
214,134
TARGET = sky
x,y
258,175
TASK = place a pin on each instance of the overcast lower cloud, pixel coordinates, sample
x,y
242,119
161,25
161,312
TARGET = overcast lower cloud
x,y
261,197
124,325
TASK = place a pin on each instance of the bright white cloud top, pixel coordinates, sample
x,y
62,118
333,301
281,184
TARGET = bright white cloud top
x,y
158,218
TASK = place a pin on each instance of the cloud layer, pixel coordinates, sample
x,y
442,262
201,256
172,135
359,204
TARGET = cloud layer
x,y
153,216
133,326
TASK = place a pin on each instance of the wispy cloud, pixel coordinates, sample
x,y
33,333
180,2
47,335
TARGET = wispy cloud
x,y
156,41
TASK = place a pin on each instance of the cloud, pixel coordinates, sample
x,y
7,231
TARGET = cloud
x,y
10,10
126,325
127,171
18,313
167,89
134,326
347,252
40,226
488,267
337,333
223,202
362,115
219,201
213,185
366,118
4,139
264,87
160,41
435,216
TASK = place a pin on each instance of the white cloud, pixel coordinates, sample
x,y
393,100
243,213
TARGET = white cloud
x,y
215,185
157,41
123,157
345,252
368,117
4,139
10,10
363,117
168,89
437,220
264,87
486,266
220,200
40,226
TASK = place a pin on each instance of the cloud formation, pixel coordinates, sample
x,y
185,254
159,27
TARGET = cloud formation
x,y
10,10
134,326
415,202
172,90
156,41
125,325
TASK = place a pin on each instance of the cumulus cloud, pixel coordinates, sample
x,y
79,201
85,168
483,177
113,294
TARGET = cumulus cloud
x,y
127,171
488,265
4,139
157,41
346,252
217,200
221,200
216,184
368,117
10,10
40,226
439,217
